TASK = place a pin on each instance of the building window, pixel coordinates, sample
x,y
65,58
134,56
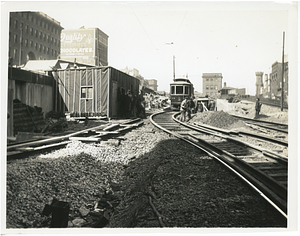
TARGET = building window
x,y
26,42
216,87
211,87
15,38
36,46
44,37
52,52
40,35
207,87
40,47
36,33
48,50
31,31
15,24
21,25
87,92
26,29
207,79
15,53
51,40
48,38
31,43
211,79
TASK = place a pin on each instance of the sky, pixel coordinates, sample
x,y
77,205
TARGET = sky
x,y
236,39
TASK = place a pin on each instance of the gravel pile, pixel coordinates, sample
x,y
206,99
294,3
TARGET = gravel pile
x,y
187,187
218,119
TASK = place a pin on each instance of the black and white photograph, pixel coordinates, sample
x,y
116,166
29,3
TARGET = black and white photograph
x,y
149,117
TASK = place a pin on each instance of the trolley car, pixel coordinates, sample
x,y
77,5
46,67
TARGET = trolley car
x,y
180,89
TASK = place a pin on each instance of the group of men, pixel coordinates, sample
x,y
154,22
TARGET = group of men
x,y
130,104
188,106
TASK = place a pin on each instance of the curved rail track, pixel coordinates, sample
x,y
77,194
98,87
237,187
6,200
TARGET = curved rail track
x,y
263,170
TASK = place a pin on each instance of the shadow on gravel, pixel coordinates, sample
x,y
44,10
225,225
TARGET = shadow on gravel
x,y
189,189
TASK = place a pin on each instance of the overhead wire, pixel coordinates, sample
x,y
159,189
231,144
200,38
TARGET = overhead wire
x,y
180,25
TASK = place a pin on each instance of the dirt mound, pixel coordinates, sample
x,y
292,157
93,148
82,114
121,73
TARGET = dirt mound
x,y
219,119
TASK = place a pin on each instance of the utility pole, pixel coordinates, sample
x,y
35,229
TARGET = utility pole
x,y
173,68
282,79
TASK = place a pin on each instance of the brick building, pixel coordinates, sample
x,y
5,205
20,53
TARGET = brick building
x,y
275,80
212,83
33,36
152,84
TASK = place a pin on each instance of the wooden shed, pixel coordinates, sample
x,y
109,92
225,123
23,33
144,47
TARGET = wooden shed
x,y
91,91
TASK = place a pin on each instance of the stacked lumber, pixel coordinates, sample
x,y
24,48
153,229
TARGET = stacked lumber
x,y
27,118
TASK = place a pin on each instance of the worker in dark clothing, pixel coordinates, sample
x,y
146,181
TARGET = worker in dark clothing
x,y
129,104
190,106
196,105
123,103
257,107
183,109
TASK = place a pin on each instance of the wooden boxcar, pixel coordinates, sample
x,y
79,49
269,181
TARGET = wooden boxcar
x,y
180,89
92,91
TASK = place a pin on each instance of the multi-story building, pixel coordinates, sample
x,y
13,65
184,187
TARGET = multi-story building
x,y
88,46
135,73
33,36
152,84
275,80
212,83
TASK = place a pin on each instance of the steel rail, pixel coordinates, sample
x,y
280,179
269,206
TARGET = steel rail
x,y
236,132
246,177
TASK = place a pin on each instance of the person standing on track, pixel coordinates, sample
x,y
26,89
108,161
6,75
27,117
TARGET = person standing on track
x,y
183,108
190,106
257,107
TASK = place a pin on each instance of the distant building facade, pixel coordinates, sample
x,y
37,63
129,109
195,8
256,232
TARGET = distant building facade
x,y
212,83
152,84
33,36
135,73
275,80
88,46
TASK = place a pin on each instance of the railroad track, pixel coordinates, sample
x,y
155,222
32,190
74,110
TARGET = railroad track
x,y
283,128
95,134
263,170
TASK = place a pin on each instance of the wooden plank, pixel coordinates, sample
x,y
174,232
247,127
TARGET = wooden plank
x,y
111,127
85,139
51,140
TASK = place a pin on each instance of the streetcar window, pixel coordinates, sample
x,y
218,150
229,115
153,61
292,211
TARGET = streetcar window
x,y
186,90
172,89
179,89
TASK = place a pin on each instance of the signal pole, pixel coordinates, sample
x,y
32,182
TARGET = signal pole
x,y
282,79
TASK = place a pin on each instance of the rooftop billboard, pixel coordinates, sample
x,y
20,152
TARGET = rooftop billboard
x,y
79,44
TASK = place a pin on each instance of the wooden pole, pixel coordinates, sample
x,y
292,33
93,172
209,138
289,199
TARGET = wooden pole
x,y
282,79
173,68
